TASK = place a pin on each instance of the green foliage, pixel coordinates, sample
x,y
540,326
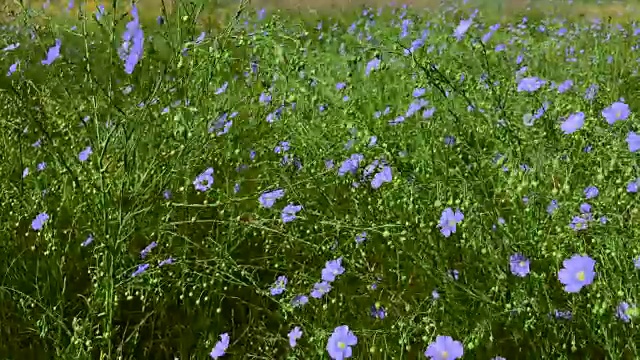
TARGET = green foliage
x,y
155,130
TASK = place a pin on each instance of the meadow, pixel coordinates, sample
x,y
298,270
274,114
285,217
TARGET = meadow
x,y
380,182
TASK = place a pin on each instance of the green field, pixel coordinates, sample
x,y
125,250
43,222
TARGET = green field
x,y
367,180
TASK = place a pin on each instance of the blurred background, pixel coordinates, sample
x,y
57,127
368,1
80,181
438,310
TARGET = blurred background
x,y
601,8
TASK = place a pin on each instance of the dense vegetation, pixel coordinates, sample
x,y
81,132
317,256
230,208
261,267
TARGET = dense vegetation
x,y
392,183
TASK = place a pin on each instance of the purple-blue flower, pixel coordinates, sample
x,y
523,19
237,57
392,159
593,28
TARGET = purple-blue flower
x,y
141,269
633,140
626,311
267,199
38,223
350,165
444,348
448,221
84,154
53,53
294,335
320,288
88,241
462,28
220,347
590,192
577,273
340,343
530,84
616,112
573,123
289,212
148,249
519,265
204,181
382,177
279,286
332,269
299,300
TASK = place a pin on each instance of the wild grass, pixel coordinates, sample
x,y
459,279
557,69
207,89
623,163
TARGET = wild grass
x,y
296,102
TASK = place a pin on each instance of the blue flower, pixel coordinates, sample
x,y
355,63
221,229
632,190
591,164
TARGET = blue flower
x,y
448,221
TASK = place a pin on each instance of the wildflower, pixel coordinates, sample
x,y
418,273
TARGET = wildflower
x,y
449,140
578,272
455,274
294,335
519,265
426,114
435,295
84,154
88,241
280,285
220,347
462,28
448,221
382,177
340,343
289,212
38,223
590,192
616,112
573,123
167,261
361,237
25,172
53,53
283,147
634,141
204,181
530,84
559,314
565,86
167,194
350,165
12,68
418,92
320,288
378,311
132,43
299,300
636,262
267,199
578,223
141,269
553,205
444,348
11,47
372,65
148,249
591,92
332,269
585,208
264,98
626,311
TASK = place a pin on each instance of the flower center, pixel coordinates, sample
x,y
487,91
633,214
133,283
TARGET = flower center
x,y
451,223
618,114
444,355
521,263
580,275
341,345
